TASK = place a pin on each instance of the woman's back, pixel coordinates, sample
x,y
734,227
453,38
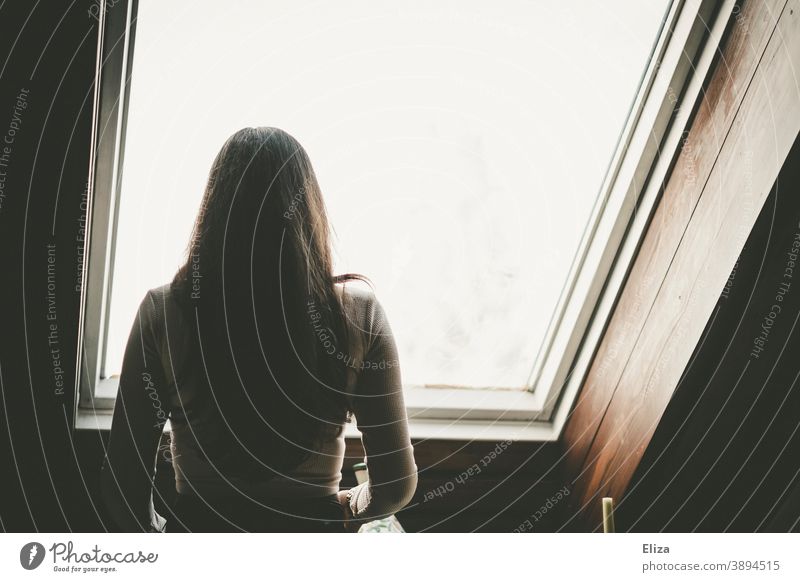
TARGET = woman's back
x,y
258,355
374,388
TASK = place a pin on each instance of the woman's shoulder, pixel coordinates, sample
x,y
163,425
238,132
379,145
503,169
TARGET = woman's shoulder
x,y
157,297
358,300
362,309
356,292
153,306
160,293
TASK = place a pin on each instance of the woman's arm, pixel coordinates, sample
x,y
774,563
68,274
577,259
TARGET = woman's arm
x,y
381,417
139,415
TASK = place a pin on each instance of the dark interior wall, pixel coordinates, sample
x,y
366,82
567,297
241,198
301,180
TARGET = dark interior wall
x,y
484,486
46,101
726,455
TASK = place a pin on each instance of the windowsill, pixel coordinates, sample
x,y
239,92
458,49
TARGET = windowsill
x,y
475,430
434,413
465,404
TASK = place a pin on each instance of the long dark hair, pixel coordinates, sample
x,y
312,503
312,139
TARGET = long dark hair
x,y
269,330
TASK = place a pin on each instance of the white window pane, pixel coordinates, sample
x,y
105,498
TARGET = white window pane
x,y
460,149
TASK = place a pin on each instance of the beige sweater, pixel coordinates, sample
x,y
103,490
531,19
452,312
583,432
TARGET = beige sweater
x,y
148,394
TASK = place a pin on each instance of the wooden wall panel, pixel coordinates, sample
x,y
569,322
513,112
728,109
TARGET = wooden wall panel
x,y
729,161
742,52
510,488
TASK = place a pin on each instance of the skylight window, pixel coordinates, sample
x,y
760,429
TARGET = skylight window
x,y
460,150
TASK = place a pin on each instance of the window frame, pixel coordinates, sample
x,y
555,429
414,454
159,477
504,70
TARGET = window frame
x,y
116,35
670,86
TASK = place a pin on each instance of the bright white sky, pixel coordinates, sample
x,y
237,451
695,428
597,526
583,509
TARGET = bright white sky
x,y
459,148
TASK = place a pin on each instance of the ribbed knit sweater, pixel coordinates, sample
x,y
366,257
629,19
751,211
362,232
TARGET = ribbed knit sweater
x,y
148,394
